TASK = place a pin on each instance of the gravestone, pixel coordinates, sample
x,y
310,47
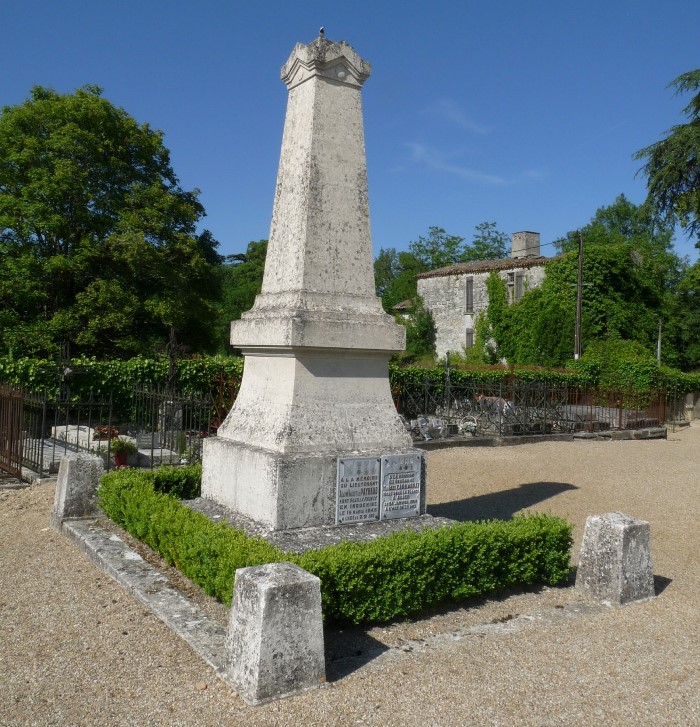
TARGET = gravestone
x,y
315,392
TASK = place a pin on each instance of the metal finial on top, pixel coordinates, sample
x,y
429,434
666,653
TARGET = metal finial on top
x,y
321,31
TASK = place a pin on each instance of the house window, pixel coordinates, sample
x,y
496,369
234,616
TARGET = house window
x,y
469,296
518,287
511,287
469,338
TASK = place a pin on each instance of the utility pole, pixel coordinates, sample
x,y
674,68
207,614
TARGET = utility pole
x,y
579,299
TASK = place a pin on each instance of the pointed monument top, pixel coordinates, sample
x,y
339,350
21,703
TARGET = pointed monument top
x,y
323,57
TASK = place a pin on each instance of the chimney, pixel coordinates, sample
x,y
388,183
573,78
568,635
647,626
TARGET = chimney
x,y
525,244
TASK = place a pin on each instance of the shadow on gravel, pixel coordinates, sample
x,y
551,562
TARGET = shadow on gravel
x,y
661,583
500,505
349,649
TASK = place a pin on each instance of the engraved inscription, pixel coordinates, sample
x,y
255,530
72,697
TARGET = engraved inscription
x,y
358,490
401,481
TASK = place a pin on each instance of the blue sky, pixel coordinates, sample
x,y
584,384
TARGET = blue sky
x,y
526,114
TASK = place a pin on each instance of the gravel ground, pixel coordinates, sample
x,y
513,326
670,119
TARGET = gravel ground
x,y
76,650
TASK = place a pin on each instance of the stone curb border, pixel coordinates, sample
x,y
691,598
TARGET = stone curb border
x,y
207,637
112,555
510,440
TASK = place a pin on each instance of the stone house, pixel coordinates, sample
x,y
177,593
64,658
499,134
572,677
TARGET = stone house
x,y
455,295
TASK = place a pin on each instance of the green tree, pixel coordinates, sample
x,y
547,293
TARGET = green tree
x,y
241,281
622,301
96,234
488,243
438,249
672,165
395,276
649,245
682,326
420,331
395,272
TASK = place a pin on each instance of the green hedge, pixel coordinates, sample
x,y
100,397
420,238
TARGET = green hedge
x,y
194,375
197,374
392,576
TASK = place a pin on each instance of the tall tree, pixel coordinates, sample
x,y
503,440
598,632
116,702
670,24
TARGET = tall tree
x,y
438,249
96,233
682,326
672,165
488,243
395,276
623,300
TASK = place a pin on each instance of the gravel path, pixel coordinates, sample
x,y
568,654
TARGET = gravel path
x,y
76,650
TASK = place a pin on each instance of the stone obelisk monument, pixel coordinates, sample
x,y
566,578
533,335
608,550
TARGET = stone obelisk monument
x,y
314,437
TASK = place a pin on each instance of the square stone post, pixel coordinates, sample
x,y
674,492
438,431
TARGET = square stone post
x,y
274,646
76,488
615,562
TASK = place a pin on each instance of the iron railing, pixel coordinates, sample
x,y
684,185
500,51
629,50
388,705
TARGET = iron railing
x,y
167,428
516,407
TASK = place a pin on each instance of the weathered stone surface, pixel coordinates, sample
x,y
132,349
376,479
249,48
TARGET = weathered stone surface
x,y
615,563
318,288
316,342
110,553
76,488
274,646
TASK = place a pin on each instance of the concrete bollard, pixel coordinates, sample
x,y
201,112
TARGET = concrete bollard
x,y
76,488
274,646
615,562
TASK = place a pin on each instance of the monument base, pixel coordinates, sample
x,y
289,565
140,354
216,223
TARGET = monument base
x,y
280,491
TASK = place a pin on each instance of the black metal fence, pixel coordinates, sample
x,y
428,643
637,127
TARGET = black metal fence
x,y
516,407
162,427
165,427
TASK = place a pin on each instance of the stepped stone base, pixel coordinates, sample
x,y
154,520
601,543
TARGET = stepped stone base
x,y
280,491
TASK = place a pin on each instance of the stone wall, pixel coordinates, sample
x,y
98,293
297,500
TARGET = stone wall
x,y
445,297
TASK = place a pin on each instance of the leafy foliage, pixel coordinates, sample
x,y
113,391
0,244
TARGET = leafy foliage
x,y
98,242
118,377
360,582
488,243
395,277
672,165
683,322
420,331
630,274
241,280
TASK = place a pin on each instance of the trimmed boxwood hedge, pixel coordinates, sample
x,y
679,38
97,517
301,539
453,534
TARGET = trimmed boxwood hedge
x,y
389,577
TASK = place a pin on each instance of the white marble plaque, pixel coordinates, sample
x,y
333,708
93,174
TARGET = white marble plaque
x,y
401,480
358,490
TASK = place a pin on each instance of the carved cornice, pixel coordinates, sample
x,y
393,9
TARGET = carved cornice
x,y
324,58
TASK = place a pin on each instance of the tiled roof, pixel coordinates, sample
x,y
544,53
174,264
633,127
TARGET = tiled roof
x,y
486,266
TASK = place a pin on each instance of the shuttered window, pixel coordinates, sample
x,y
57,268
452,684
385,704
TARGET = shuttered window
x,y
518,287
469,296
469,338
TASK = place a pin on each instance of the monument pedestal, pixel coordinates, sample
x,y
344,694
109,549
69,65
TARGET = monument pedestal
x,y
275,459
